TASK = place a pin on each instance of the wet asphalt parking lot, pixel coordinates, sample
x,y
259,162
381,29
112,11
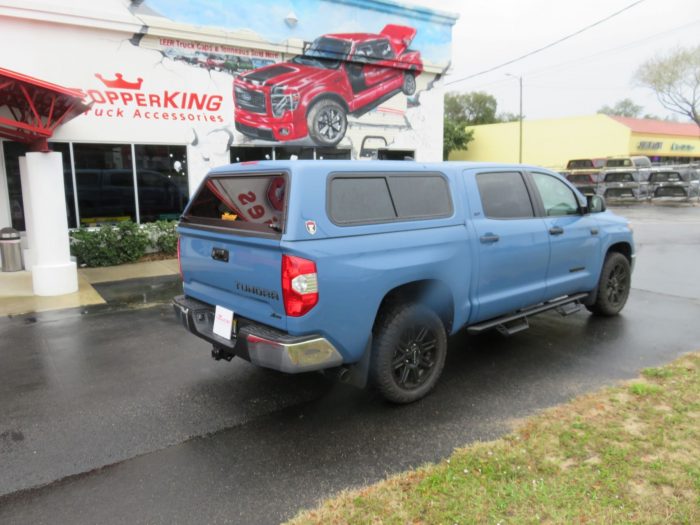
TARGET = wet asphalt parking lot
x,y
114,414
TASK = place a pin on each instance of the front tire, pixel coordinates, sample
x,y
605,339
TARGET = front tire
x,y
408,352
613,287
327,122
409,84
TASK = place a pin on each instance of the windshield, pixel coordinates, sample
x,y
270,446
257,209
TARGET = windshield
x,y
324,52
580,164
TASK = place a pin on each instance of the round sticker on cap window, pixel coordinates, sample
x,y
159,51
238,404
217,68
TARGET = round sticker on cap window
x,y
311,227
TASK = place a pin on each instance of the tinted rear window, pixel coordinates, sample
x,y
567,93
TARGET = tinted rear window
x,y
618,163
619,177
362,199
245,202
504,195
665,176
579,164
367,199
420,196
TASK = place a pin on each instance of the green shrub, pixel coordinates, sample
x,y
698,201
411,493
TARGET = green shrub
x,y
109,245
163,236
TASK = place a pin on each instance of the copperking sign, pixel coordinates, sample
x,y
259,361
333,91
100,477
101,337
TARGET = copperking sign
x,y
121,98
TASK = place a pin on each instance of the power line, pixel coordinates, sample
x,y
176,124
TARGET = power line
x,y
567,37
612,50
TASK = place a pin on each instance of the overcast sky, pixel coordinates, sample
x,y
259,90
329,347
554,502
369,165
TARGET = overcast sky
x,y
575,77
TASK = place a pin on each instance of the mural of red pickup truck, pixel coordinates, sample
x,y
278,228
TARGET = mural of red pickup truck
x,y
337,75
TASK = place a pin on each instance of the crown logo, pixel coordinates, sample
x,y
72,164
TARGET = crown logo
x,y
119,82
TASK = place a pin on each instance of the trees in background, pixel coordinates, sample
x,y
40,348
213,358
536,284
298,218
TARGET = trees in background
x,y
468,109
623,108
675,78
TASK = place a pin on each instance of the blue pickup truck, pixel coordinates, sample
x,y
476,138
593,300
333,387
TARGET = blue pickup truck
x,y
365,268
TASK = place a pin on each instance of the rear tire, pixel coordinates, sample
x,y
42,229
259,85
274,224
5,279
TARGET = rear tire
x,y
408,352
613,286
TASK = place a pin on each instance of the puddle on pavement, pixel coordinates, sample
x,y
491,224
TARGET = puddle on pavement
x,y
139,292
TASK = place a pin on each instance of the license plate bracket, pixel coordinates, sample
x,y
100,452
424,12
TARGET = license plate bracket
x,y
225,323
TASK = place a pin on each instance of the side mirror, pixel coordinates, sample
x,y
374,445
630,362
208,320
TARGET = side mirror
x,y
595,203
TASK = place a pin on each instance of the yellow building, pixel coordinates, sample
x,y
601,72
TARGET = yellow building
x,y
553,142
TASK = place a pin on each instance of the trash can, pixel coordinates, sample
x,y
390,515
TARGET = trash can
x,y
10,250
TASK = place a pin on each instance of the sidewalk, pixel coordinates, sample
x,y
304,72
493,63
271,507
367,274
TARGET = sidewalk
x,y
17,297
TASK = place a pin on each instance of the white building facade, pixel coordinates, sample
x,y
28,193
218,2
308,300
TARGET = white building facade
x,y
160,80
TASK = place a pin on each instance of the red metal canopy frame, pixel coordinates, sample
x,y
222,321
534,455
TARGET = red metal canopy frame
x,y
32,109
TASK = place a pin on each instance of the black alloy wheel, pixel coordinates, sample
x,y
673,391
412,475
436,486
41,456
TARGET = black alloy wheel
x,y
414,356
408,352
613,287
617,288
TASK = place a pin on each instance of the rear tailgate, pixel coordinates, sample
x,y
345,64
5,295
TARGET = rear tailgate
x,y
230,245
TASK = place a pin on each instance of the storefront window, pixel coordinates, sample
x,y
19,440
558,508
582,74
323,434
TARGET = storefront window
x,y
13,151
248,153
286,153
162,181
104,176
332,153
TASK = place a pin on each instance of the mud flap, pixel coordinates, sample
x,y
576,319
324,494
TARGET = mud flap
x,y
359,372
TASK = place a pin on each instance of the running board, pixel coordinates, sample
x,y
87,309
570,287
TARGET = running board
x,y
517,322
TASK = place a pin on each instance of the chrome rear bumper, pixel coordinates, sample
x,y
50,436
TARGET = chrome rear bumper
x,y
260,344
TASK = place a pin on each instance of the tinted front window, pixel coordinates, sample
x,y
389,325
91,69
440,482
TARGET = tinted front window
x,y
504,195
557,197
361,199
247,202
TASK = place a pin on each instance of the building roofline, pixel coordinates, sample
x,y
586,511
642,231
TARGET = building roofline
x,y
659,127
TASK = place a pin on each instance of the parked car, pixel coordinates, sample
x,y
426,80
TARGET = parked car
x,y
584,174
336,76
366,268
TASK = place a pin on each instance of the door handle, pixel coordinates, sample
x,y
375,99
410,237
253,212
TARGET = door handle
x,y
489,238
219,254
594,231
556,230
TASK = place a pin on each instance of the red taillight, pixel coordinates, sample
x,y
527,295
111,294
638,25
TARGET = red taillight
x,y
299,285
179,260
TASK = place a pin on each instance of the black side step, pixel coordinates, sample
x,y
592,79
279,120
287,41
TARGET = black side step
x,y
506,325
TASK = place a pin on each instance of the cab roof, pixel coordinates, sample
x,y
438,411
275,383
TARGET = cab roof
x,y
362,166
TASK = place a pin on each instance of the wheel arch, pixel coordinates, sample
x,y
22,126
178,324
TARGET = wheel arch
x,y
621,247
327,96
432,292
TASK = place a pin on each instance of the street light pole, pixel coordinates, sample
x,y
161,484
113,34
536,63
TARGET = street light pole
x,y
520,149
520,117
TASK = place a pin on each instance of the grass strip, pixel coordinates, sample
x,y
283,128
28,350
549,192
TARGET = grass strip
x,y
628,454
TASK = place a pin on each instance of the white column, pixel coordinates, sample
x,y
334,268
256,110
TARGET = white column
x,y
5,217
43,194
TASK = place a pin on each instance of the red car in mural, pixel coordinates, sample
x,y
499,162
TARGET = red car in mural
x,y
337,75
